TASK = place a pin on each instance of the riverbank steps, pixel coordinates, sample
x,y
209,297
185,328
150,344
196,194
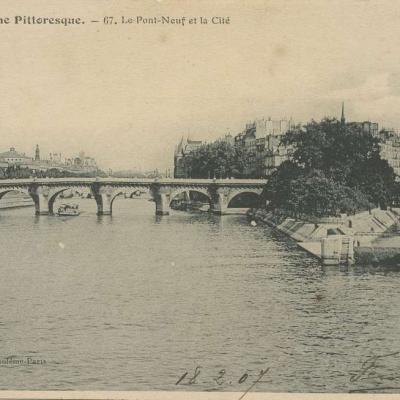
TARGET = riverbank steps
x,y
363,238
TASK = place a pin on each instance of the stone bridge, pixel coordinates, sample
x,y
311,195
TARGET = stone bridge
x,y
44,191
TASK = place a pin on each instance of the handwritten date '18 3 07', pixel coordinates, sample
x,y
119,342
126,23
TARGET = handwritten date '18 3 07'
x,y
220,378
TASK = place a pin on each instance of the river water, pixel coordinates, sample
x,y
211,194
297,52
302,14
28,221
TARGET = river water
x,y
135,301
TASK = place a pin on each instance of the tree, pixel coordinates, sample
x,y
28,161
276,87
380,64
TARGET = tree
x,y
218,159
334,168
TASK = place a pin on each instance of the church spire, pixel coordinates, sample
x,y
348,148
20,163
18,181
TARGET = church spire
x,y
343,119
37,153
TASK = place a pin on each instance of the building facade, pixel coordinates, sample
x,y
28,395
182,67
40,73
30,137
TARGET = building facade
x,y
367,127
390,149
182,150
14,159
262,140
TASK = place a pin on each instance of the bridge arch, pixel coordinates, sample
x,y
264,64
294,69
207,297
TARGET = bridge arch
x,y
115,195
3,192
105,199
249,198
54,193
202,191
53,197
135,193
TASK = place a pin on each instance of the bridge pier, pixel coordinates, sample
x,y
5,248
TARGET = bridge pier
x,y
219,200
104,197
41,197
220,205
42,205
162,201
186,196
103,202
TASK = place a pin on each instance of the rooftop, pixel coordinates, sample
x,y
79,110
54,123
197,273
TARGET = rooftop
x,y
12,153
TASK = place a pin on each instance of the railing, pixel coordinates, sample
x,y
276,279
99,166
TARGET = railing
x,y
226,181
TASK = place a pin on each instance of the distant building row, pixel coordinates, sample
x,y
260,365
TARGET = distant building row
x,y
81,163
262,140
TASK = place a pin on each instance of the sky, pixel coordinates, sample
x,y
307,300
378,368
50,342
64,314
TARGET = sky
x,y
126,94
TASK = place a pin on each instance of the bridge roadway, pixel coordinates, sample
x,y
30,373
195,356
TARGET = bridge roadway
x,y
44,191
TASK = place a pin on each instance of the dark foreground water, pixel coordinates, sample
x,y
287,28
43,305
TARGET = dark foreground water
x,y
135,301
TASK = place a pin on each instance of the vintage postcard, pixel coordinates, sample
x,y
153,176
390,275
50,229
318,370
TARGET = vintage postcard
x,y
199,199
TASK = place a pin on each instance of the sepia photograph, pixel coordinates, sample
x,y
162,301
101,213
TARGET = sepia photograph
x,y
199,199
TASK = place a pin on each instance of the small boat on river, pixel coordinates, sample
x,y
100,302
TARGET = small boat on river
x,y
68,210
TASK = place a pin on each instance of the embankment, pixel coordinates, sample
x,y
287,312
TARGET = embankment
x,y
371,233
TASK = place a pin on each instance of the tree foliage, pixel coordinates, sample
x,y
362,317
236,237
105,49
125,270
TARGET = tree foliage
x,y
22,172
218,159
334,168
